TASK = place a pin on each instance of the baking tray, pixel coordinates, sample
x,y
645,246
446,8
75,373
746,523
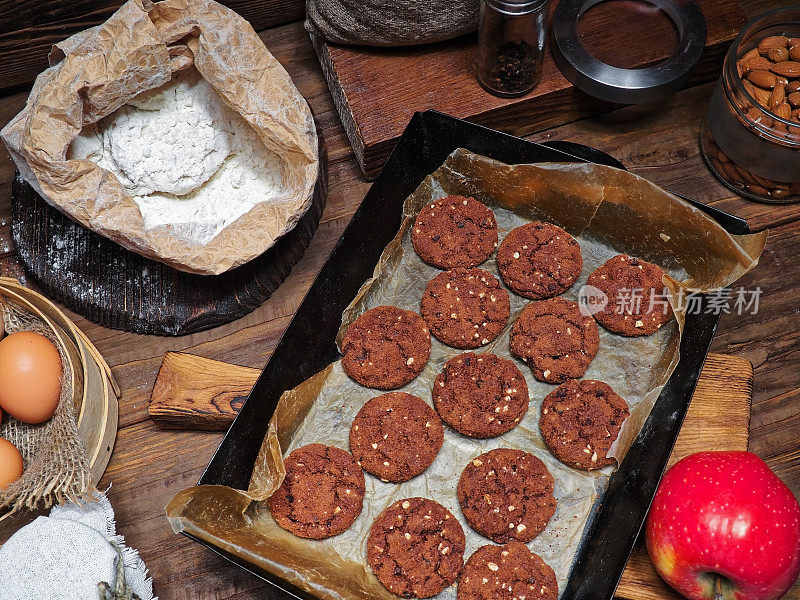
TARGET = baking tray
x,y
427,141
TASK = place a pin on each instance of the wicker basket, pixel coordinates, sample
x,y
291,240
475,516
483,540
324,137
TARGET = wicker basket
x,y
66,456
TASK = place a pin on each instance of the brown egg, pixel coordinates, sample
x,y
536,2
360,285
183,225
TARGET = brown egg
x,y
10,463
30,376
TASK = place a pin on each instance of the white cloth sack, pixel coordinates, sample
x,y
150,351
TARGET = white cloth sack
x,y
66,555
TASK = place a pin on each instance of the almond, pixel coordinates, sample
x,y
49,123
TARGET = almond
x,y
778,95
772,42
763,79
779,127
787,68
784,111
761,181
792,87
778,54
745,176
751,54
794,52
756,63
729,172
748,87
761,96
753,113
758,190
794,99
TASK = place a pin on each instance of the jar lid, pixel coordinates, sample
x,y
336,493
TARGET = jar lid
x,y
617,84
517,7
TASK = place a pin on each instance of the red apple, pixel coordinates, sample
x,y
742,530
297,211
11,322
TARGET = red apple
x,y
723,522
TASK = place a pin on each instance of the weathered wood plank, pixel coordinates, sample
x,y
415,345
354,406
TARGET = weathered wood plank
x,y
29,28
375,108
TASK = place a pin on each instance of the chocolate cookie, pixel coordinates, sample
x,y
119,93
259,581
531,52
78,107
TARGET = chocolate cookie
x,y
480,395
322,493
539,260
416,548
455,232
396,436
507,495
465,308
555,339
636,296
580,420
507,572
386,347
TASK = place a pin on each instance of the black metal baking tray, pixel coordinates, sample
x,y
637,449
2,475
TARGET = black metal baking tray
x,y
427,141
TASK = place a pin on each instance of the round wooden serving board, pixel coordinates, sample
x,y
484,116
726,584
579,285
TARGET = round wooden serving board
x,y
116,288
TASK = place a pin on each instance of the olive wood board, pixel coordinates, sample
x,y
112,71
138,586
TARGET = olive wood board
x,y
377,90
192,392
120,289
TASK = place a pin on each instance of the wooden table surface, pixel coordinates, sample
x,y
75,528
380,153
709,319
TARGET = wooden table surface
x,y
657,141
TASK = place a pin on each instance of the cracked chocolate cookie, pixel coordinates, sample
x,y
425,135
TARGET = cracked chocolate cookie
x,y
507,495
581,420
386,347
416,548
507,572
480,395
555,340
465,308
322,493
637,302
539,260
455,232
396,436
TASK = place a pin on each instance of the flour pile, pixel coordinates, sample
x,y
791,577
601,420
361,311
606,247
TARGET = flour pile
x,y
185,157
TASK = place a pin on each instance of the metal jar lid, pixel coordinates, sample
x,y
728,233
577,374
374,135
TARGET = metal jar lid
x,y
516,7
628,86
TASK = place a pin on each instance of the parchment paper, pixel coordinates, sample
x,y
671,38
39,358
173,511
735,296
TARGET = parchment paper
x,y
138,48
609,212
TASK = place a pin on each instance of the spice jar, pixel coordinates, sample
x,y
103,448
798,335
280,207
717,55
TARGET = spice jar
x,y
511,37
751,136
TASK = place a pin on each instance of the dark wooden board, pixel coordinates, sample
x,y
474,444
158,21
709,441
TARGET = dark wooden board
x,y
375,108
114,287
29,28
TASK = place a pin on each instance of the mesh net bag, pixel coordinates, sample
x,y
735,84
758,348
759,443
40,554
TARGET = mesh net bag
x,y
56,468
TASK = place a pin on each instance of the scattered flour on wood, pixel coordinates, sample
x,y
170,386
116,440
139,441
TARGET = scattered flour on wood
x,y
185,157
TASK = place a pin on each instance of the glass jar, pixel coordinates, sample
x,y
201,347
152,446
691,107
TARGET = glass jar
x,y
511,38
751,136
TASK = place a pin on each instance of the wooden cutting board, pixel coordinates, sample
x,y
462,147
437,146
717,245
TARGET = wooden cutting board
x,y
198,393
377,90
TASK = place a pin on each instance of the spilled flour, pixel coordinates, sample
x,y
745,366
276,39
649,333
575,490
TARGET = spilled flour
x,y
185,158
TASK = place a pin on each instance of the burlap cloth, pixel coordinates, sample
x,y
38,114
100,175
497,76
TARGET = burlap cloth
x,y
56,468
398,23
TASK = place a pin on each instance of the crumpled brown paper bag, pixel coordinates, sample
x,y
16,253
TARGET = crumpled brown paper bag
x,y
139,47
